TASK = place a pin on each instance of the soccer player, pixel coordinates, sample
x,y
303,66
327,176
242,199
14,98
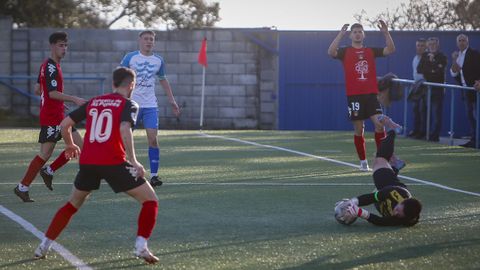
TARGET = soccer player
x,y
147,65
108,153
393,200
50,86
361,82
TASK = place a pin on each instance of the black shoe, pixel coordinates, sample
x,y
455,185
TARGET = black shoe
x,y
470,144
155,181
22,195
47,178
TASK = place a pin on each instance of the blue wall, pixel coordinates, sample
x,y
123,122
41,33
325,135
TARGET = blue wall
x,y
311,84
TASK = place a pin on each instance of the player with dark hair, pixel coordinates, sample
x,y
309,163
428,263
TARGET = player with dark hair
x,y
392,199
108,153
149,65
361,82
50,87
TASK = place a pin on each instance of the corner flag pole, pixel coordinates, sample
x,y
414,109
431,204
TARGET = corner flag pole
x,y
202,60
203,98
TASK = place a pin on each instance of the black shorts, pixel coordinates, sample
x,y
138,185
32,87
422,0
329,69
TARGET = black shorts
x,y
51,134
386,177
361,107
119,177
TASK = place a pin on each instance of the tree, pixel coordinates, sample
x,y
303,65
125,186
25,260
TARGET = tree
x,y
104,13
429,15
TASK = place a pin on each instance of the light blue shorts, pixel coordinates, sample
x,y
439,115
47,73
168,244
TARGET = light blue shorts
x,y
149,118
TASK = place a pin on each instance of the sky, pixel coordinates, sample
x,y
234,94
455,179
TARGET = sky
x,y
289,15
298,14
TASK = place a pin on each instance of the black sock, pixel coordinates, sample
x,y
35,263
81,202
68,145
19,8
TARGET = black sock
x,y
387,146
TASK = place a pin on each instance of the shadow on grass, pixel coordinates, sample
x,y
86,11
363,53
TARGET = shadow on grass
x,y
17,263
390,256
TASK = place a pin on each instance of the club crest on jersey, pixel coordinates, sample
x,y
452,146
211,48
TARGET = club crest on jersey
x,y
361,67
54,83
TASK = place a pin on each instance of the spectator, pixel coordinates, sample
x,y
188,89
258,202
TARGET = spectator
x,y
432,66
466,70
419,102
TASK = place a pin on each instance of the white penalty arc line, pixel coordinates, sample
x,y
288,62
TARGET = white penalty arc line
x,y
333,161
67,255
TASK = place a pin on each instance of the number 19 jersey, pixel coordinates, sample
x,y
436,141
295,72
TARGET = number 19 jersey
x,y
103,144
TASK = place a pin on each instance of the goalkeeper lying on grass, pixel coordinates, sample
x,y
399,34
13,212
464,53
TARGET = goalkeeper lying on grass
x,y
392,200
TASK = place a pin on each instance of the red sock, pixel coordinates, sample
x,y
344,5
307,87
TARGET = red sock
x,y
147,218
360,146
32,171
379,136
60,221
59,162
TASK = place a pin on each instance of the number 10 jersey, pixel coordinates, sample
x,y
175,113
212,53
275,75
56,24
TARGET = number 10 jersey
x,y
103,144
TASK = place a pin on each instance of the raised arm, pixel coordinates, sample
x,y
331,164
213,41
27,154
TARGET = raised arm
x,y
332,49
390,46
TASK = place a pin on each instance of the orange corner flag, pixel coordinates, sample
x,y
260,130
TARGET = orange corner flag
x,y
202,54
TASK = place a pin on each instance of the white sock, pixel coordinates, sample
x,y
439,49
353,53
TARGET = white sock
x,y
49,170
46,242
153,174
140,243
22,188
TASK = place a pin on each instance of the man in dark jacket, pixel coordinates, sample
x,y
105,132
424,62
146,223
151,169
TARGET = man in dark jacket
x,y
432,65
466,70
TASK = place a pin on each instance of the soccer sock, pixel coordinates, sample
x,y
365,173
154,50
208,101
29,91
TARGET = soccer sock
x,y
59,162
60,221
147,218
154,156
387,146
32,171
378,138
360,146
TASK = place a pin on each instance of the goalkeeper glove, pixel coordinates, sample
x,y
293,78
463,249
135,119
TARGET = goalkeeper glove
x,y
354,210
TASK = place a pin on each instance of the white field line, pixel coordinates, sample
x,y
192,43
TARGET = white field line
x,y
235,184
67,255
334,161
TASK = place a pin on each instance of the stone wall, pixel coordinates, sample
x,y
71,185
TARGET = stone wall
x,y
241,77
5,59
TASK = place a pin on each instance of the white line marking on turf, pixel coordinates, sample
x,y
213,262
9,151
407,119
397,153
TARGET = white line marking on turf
x,y
72,259
334,161
241,184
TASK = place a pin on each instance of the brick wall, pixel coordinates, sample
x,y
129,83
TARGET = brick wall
x,y
241,80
